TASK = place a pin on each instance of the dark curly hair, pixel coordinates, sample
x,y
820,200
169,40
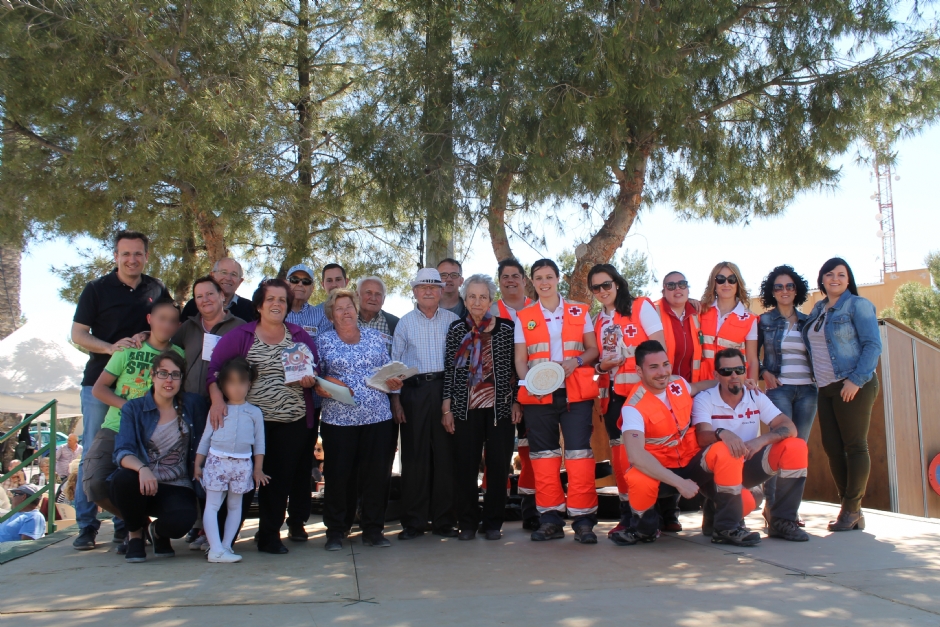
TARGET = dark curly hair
x,y
767,298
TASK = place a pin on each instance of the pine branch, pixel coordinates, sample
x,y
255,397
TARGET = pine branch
x,y
25,132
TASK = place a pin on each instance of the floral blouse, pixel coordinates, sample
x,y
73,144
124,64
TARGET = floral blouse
x,y
353,364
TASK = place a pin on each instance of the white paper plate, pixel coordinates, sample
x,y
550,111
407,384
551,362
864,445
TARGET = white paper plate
x,y
544,378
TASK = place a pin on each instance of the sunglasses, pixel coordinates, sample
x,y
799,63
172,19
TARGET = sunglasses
x,y
727,372
176,375
605,286
295,280
676,285
779,287
819,322
720,279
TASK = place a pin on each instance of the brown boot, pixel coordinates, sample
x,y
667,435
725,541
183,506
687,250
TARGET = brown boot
x,y
848,521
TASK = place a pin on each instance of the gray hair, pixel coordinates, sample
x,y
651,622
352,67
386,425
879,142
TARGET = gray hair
x,y
335,295
376,279
215,266
479,278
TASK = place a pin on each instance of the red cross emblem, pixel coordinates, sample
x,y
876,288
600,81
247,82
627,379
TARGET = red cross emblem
x,y
752,412
744,316
574,311
675,388
630,330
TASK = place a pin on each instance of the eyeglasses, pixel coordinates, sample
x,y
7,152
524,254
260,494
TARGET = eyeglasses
x,y
295,280
606,286
234,275
720,279
676,285
727,372
450,275
176,375
779,287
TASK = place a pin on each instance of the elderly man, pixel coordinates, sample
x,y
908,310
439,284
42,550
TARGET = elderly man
x,y
371,298
111,315
731,414
229,275
427,494
302,313
64,456
28,523
452,275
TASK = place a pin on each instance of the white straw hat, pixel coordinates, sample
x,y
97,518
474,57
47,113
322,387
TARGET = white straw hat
x,y
427,276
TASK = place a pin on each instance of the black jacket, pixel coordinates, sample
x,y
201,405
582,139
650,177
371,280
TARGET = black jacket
x,y
504,369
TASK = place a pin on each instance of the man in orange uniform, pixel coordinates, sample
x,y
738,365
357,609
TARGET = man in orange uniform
x,y
511,277
731,414
662,448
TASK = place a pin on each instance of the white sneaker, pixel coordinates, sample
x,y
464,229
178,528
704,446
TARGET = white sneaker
x,y
223,557
200,543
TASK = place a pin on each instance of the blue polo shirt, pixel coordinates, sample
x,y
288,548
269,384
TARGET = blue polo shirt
x,y
31,523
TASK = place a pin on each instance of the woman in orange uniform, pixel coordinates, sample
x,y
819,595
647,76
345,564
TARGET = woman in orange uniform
x,y
726,320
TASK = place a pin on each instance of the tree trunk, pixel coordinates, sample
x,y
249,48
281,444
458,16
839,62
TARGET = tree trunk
x,y
187,266
10,257
496,216
610,237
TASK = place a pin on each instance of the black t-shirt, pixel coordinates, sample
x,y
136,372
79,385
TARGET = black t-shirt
x,y
240,307
115,311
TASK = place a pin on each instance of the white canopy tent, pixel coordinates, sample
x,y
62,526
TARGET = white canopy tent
x,y
36,366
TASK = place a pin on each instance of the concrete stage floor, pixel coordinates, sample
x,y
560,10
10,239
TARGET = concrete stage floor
x,y
886,575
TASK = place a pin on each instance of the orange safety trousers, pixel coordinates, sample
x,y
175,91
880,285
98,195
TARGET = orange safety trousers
x,y
716,460
526,483
788,459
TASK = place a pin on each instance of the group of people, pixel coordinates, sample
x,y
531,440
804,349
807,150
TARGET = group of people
x,y
186,413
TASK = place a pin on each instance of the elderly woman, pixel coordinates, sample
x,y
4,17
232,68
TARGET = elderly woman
x,y
480,408
287,407
357,437
154,452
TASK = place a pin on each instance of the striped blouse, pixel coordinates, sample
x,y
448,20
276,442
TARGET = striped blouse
x,y
794,365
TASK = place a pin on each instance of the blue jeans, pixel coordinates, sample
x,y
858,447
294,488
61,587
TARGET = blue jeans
x,y
93,413
799,403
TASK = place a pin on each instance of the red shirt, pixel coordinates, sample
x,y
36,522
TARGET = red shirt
x,y
682,332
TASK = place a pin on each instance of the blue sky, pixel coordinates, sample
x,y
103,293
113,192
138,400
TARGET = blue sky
x,y
816,227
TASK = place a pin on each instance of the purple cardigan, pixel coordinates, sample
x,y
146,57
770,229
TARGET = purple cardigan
x,y
237,343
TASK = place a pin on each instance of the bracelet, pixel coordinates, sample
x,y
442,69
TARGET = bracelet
x,y
580,361
447,412
718,432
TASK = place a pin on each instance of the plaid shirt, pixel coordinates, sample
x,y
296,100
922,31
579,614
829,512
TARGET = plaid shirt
x,y
380,324
419,340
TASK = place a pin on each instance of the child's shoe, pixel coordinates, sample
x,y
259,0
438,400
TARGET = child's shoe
x,y
224,557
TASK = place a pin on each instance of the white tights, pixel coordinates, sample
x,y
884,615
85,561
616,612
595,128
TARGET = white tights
x,y
210,519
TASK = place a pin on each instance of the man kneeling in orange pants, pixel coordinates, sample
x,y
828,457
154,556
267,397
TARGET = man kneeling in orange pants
x,y
662,448
732,415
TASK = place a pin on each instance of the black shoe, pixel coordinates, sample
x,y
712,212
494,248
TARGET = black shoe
x,y
85,540
409,533
274,548
333,543
787,530
191,536
161,546
467,534
122,548
585,536
493,534
672,524
647,538
120,535
298,534
737,537
549,531
135,551
531,524
446,532
622,537
376,539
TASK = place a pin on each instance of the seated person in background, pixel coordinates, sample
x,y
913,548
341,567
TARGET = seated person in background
x,y
731,414
5,505
28,523
15,480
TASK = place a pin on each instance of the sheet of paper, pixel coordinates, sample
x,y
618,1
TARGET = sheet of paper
x,y
389,370
208,345
337,392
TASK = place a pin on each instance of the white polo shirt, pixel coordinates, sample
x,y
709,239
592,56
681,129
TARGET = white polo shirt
x,y
554,321
743,420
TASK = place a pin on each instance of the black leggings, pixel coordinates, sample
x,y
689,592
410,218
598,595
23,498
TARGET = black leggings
x,y
173,506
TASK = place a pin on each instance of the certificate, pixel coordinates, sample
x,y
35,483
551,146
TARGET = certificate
x,y
208,345
298,363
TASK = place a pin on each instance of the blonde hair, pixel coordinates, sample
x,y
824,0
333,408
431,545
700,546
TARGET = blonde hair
x,y
335,295
709,297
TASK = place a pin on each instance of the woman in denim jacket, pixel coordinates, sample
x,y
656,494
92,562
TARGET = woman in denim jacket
x,y
785,364
842,336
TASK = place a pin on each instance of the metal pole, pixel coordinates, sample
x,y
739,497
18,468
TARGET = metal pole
x,y
50,484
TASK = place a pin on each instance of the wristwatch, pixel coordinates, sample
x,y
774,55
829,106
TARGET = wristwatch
x,y
580,361
718,432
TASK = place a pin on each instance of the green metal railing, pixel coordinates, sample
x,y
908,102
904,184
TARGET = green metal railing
x,y
50,448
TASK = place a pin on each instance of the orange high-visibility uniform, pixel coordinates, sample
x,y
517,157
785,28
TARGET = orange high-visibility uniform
x,y
787,459
669,438
662,309
580,386
733,334
504,311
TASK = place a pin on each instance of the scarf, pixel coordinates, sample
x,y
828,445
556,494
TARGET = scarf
x,y
471,348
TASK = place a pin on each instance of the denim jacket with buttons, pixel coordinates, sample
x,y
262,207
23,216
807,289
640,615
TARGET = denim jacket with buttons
x,y
852,335
770,331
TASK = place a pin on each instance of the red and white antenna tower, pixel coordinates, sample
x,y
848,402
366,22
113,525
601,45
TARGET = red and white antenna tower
x,y
885,215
